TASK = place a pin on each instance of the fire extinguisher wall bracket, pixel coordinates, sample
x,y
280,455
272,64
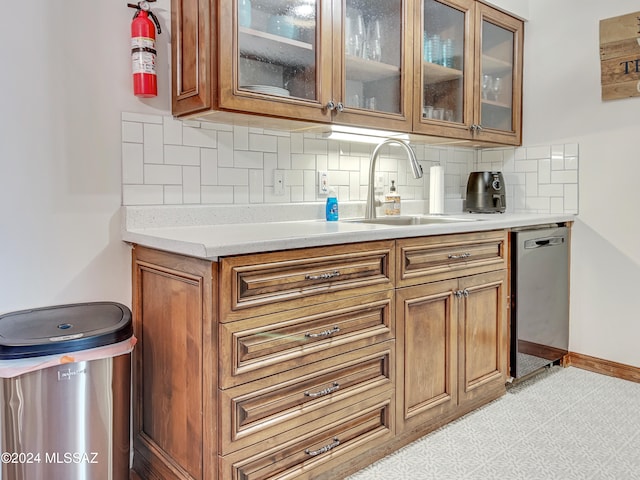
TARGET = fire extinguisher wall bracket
x,y
143,50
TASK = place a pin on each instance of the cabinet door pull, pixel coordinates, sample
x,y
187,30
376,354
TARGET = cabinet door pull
x,y
459,256
326,333
323,276
324,392
324,449
331,105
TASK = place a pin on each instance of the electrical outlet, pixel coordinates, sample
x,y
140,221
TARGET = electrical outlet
x,y
323,183
278,182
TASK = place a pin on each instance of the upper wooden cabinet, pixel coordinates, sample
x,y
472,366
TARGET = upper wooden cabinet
x,y
469,83
344,61
406,65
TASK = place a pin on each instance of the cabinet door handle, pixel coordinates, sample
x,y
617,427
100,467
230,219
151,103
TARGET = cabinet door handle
x,y
323,276
324,392
465,292
340,107
326,333
331,105
453,256
324,449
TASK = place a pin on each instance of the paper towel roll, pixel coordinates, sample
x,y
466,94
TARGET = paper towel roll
x,y
436,189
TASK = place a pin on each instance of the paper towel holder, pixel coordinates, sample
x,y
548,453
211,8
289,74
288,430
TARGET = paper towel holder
x,y
436,190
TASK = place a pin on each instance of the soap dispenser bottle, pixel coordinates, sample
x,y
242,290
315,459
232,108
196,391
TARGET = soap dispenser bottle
x,y
332,207
392,201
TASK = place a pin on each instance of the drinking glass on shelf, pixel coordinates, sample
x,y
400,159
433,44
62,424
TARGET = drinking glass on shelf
x,y
447,53
371,103
487,86
354,33
354,101
434,49
496,88
373,45
244,13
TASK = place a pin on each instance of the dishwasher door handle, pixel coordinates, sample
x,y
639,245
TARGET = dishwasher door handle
x,y
544,242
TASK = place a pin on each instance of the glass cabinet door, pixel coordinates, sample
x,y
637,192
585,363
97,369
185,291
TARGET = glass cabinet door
x,y
275,56
446,78
499,75
375,85
277,47
444,52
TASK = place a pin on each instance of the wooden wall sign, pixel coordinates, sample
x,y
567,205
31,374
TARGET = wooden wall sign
x,y
620,56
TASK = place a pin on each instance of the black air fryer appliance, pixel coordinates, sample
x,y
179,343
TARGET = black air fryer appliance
x,y
486,193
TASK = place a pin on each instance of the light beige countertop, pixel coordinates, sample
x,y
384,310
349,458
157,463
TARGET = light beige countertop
x,y
210,232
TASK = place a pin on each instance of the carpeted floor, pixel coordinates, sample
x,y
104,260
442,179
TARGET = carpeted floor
x,y
564,424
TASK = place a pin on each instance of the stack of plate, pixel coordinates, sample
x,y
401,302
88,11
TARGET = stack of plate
x,y
266,89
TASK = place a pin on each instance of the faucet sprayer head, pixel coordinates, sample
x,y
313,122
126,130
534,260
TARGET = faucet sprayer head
x,y
416,169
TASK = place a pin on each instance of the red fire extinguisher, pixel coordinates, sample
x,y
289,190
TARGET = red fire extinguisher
x,y
143,50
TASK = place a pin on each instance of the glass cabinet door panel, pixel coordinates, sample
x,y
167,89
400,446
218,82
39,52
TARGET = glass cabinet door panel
x,y
373,53
277,47
443,63
497,77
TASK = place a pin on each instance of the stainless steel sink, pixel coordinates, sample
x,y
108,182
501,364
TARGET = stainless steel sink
x,y
404,220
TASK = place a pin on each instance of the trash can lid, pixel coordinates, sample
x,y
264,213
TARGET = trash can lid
x,y
63,328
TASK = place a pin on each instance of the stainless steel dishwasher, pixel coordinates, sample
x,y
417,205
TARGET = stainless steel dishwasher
x,y
539,297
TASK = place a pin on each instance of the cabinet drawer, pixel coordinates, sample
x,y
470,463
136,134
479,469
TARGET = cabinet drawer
x,y
271,282
278,406
270,344
347,434
441,257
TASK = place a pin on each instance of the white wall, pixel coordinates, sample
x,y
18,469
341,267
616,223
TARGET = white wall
x,y
65,81
562,105
519,8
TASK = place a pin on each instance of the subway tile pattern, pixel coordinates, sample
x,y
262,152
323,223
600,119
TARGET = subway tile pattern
x,y
561,424
166,161
539,179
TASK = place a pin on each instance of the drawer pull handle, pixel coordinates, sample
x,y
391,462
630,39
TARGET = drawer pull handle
x,y
324,392
324,449
326,333
459,256
323,276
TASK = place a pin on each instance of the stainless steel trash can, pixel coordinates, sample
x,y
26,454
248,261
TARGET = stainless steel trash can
x,y
65,383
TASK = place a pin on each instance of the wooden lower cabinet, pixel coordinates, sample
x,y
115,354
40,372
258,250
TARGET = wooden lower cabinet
x,y
427,341
452,347
175,378
318,377
482,336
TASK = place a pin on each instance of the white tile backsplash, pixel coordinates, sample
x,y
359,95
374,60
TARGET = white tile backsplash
x,y
539,179
166,161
